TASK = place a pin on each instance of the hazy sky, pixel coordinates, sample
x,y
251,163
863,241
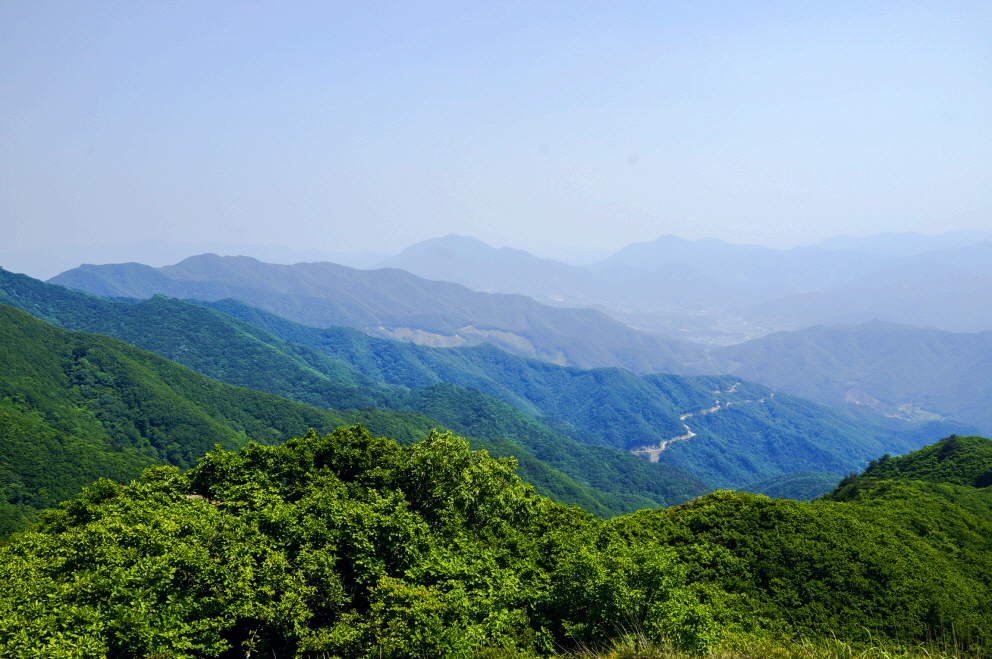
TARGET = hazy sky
x,y
351,125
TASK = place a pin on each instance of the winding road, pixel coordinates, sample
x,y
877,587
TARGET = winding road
x,y
653,452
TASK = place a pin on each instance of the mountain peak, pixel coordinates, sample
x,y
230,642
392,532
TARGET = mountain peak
x,y
451,247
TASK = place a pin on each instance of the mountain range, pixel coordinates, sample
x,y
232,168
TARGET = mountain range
x,y
716,292
707,291
952,283
724,415
889,388
654,414
396,304
50,261
607,480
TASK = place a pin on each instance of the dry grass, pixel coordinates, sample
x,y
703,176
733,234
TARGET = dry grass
x,y
635,647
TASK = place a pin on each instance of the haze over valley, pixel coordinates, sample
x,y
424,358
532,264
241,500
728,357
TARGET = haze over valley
x,y
810,321
714,292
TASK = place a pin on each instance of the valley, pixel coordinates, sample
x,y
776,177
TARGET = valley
x,y
560,384
653,453
383,372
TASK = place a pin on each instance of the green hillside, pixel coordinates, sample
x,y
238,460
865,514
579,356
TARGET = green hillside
x,y
908,563
75,407
356,547
203,341
955,460
754,435
237,353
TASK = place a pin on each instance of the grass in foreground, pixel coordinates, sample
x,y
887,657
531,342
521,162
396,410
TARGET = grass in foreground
x,y
749,647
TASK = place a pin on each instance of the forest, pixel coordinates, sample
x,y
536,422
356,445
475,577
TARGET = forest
x,y
349,545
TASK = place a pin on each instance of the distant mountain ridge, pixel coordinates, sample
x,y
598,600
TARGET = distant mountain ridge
x,y
715,292
709,291
937,281
48,262
762,271
618,291
908,243
947,289
470,262
898,369
396,304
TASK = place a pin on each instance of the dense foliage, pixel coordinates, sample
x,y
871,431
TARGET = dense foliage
x,y
352,546
800,485
75,407
847,569
603,481
957,460
346,545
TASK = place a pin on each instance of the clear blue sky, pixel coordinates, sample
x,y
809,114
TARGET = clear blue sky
x,y
350,125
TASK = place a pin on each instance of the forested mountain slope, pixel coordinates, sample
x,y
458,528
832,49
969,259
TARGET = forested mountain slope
x,y
706,426
724,414
356,547
955,460
897,369
895,557
396,304
609,481
75,406
799,485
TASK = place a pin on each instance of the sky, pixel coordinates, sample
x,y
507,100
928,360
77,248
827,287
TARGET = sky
x,y
552,126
